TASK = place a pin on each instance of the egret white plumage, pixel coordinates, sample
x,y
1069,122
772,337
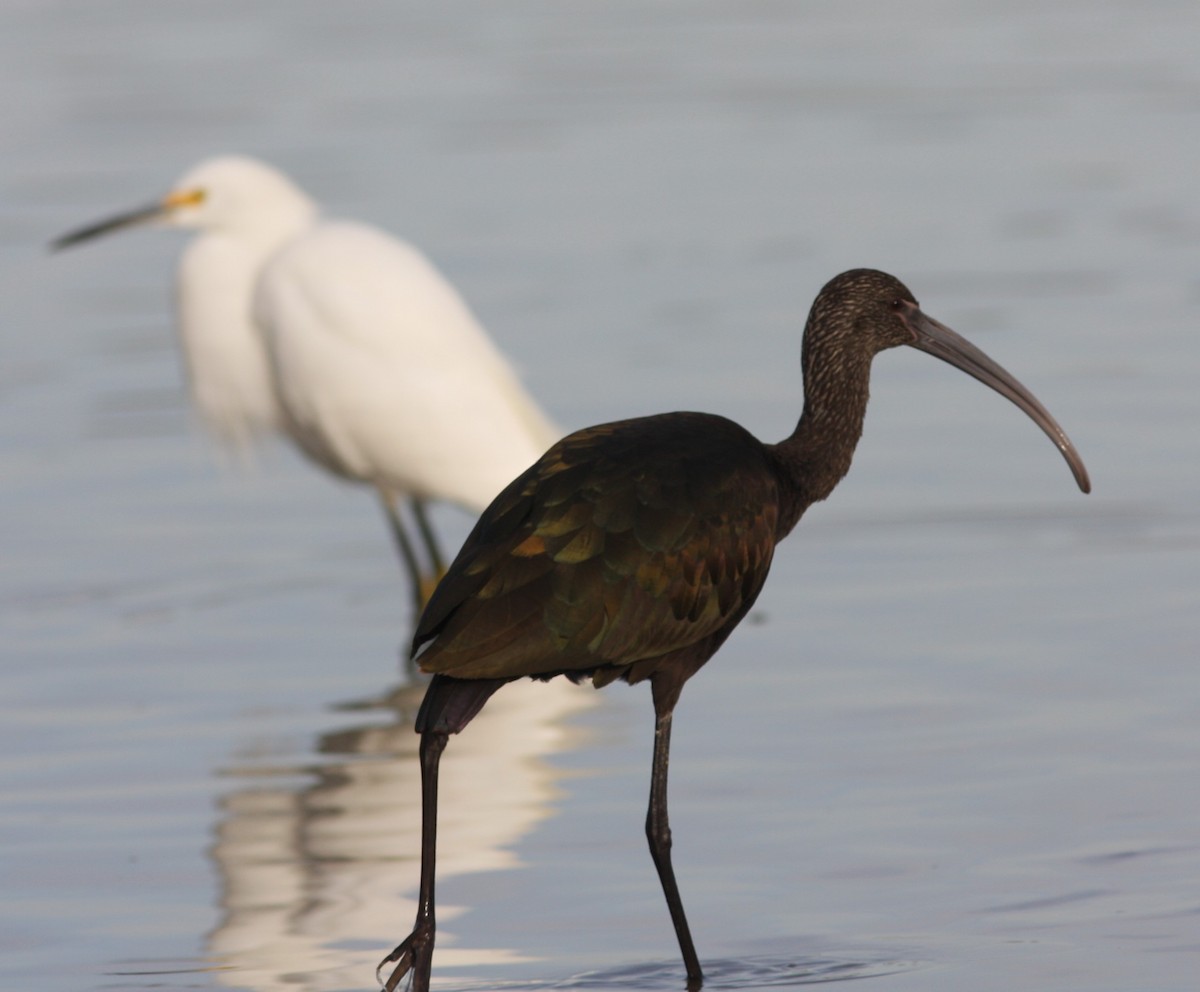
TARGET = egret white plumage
x,y
344,339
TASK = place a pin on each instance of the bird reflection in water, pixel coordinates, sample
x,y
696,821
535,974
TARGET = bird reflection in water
x,y
314,848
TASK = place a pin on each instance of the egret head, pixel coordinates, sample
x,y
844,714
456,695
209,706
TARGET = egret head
x,y
235,194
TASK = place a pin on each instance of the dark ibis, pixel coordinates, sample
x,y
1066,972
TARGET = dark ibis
x,y
631,550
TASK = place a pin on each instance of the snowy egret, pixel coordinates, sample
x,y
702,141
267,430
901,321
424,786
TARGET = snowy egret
x,y
632,550
346,340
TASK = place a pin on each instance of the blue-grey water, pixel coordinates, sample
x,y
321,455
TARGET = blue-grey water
x,y
957,745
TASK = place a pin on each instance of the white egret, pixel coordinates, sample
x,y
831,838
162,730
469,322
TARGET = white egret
x,y
344,339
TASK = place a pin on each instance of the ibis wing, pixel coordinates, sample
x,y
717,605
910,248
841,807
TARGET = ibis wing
x,y
625,542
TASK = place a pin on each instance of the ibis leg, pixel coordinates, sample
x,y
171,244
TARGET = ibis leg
x,y
415,952
658,833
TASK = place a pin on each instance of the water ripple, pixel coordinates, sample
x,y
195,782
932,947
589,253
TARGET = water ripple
x,y
726,973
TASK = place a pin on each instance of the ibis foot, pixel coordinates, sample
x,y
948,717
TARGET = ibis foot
x,y
415,954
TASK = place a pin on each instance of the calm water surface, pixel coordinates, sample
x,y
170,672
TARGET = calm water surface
x,y
955,748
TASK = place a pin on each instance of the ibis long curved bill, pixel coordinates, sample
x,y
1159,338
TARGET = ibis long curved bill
x,y
935,338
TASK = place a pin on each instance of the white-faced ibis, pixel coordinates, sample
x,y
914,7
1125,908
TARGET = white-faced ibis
x,y
631,550
343,338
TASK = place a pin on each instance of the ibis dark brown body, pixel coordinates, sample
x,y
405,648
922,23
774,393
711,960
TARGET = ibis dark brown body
x,y
632,550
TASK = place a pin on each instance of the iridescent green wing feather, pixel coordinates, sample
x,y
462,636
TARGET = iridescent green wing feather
x,y
625,542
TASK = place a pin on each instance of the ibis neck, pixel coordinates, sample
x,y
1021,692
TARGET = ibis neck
x,y
817,455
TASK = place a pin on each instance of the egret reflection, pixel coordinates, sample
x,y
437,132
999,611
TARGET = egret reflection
x,y
316,853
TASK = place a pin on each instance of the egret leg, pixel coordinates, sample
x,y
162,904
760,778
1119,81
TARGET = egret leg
x,y
658,833
415,952
408,553
437,561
